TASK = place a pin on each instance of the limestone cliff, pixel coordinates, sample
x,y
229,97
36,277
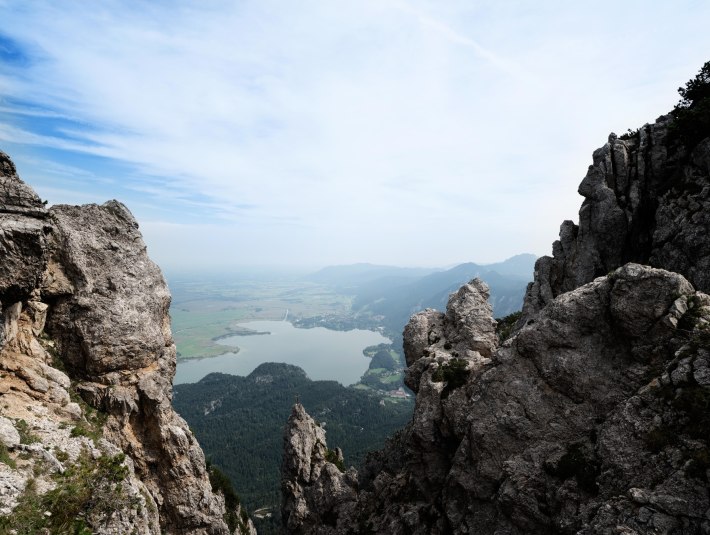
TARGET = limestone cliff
x,y
593,418
314,475
646,200
88,435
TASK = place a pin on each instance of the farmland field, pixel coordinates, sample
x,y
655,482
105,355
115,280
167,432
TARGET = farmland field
x,y
202,312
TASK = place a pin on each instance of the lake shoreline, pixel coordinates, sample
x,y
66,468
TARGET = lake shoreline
x,y
324,354
239,332
232,349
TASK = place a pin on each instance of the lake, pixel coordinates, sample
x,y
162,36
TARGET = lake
x,y
321,352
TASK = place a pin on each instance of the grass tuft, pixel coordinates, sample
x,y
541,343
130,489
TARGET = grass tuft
x,y
88,491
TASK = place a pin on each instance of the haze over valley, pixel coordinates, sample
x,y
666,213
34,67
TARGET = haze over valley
x,y
240,320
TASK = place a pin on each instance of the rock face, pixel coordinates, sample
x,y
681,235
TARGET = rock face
x,y
319,493
78,292
591,418
646,200
594,417
23,232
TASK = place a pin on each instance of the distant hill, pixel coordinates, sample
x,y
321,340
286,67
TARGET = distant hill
x,y
239,423
397,297
521,265
355,275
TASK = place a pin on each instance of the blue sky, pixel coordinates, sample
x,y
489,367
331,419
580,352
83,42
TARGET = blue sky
x,y
323,132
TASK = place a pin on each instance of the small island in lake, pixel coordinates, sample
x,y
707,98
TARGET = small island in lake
x,y
239,330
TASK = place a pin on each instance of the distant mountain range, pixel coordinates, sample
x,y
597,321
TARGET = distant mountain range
x,y
354,275
396,293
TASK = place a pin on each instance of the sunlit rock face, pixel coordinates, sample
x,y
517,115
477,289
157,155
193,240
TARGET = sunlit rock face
x,y
87,361
592,418
319,494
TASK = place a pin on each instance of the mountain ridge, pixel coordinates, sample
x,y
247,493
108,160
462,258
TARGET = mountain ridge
x,y
517,265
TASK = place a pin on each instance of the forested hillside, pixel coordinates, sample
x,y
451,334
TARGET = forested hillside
x,y
239,423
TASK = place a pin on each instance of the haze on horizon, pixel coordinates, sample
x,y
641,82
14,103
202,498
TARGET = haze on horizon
x,y
400,132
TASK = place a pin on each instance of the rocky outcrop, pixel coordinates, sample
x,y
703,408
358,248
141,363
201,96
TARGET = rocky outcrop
x,y
646,200
577,424
593,417
465,331
87,362
23,231
319,493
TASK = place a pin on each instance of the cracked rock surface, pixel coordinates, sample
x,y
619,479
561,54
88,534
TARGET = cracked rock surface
x,y
571,426
86,367
646,200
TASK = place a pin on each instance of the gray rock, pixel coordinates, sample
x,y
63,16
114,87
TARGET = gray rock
x,y
643,202
8,434
318,497
469,319
16,197
593,417
547,433
466,331
76,281
22,236
114,318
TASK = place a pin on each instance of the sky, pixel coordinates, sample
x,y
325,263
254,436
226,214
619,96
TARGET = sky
x,y
321,132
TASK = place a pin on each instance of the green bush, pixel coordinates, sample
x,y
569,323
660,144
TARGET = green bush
x,y
630,134
505,325
222,484
26,437
332,457
692,113
454,373
5,456
61,455
383,359
79,430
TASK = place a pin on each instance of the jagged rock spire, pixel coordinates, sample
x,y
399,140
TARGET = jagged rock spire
x,y
646,200
78,280
15,195
318,497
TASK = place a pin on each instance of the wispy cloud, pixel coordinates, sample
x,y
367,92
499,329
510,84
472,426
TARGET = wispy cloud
x,y
458,38
395,131
19,135
17,110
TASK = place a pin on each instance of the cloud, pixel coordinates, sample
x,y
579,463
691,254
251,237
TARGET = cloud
x,y
456,37
405,132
